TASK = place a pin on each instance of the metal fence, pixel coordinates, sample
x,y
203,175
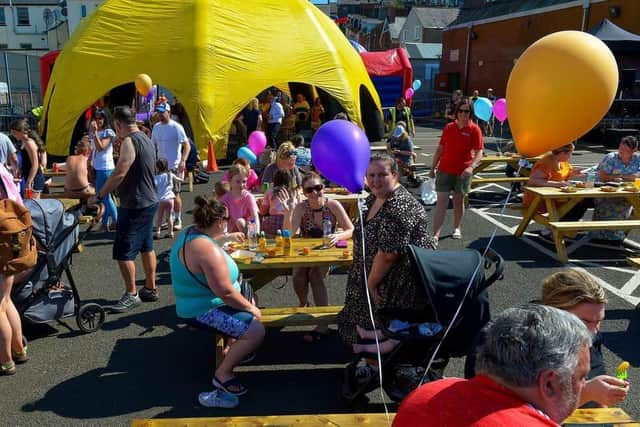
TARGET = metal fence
x,y
19,86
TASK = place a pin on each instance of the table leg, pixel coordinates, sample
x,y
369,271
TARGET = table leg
x,y
635,202
526,218
561,249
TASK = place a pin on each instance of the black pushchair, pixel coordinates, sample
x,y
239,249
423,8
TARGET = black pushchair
x,y
43,297
445,276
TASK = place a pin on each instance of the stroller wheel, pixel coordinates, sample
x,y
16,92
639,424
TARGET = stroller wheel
x,y
90,317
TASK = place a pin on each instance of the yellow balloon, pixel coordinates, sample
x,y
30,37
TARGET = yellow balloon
x,y
143,84
559,89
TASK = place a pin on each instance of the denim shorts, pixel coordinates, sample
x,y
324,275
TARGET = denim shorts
x,y
227,320
134,232
448,182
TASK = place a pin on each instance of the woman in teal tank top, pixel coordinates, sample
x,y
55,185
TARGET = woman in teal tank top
x,y
207,291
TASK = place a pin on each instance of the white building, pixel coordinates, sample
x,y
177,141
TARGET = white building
x,y
79,9
24,25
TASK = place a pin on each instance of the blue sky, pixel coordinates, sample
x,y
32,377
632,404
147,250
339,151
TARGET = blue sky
x,y
323,1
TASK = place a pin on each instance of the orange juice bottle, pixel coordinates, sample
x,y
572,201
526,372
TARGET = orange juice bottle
x,y
262,242
279,242
287,244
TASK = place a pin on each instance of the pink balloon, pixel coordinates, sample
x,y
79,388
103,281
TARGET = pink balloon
x,y
257,142
408,94
500,109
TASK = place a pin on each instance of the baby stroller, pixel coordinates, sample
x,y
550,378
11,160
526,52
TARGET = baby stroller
x,y
42,297
445,276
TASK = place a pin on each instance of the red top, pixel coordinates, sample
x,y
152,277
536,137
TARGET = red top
x,y
456,145
478,402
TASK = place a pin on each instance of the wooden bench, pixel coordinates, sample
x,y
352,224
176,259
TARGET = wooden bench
x,y
312,420
280,317
475,181
562,229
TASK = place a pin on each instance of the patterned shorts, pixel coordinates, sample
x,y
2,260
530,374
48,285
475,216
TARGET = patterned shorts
x,y
227,320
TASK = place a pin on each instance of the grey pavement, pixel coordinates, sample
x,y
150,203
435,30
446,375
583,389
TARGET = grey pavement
x,y
146,364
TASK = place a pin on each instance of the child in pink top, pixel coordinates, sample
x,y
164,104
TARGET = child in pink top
x,y
253,182
240,203
272,208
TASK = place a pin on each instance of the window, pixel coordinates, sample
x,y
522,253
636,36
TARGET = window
x,y
23,16
83,10
4,46
3,21
404,36
416,33
25,46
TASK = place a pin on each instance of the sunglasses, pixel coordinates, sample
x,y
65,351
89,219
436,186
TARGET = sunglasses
x,y
464,111
318,188
288,153
225,218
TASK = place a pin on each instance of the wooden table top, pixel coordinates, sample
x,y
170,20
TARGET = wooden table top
x,y
316,256
491,158
50,173
616,417
556,193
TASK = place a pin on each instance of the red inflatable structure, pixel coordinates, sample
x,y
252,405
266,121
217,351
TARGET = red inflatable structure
x,y
46,67
391,73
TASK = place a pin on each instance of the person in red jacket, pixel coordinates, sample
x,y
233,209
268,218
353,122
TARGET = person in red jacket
x,y
457,155
531,372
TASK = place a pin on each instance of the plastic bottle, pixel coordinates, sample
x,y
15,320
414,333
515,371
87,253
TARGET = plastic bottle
x,y
591,179
279,242
327,229
287,244
262,242
252,235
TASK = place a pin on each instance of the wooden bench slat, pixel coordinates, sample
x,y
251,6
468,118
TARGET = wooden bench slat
x,y
595,225
498,180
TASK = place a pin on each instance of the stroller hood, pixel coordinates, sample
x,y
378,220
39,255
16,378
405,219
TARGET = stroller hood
x,y
445,276
51,223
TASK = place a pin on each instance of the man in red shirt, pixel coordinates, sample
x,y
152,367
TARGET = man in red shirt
x,y
531,371
457,155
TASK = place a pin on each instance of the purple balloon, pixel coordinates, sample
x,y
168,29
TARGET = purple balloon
x,y
150,95
500,109
340,151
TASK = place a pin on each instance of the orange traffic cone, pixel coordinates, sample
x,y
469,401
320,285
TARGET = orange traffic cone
x,y
212,165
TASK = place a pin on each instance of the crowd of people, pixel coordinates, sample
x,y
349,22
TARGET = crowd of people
x,y
530,365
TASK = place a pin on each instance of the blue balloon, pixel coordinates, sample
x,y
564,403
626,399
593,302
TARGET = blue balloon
x,y
246,153
482,108
417,84
340,151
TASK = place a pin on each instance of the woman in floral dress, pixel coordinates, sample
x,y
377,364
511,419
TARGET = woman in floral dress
x,y
394,219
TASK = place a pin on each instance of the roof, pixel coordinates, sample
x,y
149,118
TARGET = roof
x,y
436,17
503,7
424,50
29,2
618,39
396,26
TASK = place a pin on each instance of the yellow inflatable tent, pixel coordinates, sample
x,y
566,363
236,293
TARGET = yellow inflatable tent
x,y
213,55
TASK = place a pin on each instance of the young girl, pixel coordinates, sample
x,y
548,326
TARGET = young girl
x,y
240,203
253,182
272,208
165,181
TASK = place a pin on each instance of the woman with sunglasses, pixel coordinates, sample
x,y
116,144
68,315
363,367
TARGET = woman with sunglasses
x,y
457,155
394,220
206,284
620,166
285,160
554,170
306,220
30,165
102,138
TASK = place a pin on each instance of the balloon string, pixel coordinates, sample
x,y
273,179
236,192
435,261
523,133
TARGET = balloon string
x,y
466,292
373,321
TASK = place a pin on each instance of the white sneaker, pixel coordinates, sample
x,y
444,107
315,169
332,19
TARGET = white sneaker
x,y
456,234
218,399
178,224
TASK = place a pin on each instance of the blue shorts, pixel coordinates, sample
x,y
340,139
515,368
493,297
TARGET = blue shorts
x,y
227,320
134,232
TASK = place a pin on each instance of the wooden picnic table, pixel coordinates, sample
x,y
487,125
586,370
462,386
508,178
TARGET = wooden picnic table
x,y
50,173
281,265
614,416
549,196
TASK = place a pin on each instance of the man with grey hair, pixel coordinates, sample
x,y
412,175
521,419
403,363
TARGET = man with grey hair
x,y
531,369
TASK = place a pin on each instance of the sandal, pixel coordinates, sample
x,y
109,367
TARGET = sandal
x,y
20,356
8,368
315,336
236,387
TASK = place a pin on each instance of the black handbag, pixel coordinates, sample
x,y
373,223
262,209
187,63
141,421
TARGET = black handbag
x,y
245,287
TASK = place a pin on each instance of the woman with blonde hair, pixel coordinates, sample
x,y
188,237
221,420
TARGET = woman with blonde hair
x,y
252,116
578,293
285,160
